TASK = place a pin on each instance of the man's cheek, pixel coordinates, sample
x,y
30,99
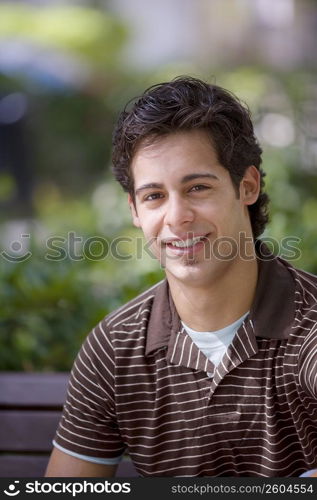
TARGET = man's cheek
x,y
151,247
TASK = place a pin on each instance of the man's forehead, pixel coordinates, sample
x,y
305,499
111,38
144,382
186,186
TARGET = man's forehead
x,y
154,143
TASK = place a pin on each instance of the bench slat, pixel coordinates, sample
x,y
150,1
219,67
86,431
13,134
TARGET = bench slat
x,y
28,430
35,466
22,466
30,410
126,468
33,389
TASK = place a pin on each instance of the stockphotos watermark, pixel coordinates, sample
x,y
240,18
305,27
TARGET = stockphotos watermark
x,y
165,487
74,488
73,247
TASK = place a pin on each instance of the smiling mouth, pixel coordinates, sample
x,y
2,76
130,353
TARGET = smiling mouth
x,y
188,245
190,242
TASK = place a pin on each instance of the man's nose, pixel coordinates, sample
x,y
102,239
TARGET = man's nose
x,y
178,211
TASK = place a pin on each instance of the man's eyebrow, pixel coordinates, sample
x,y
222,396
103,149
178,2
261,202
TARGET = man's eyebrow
x,y
151,185
192,177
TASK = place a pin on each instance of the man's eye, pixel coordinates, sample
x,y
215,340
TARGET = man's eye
x,y
199,187
153,196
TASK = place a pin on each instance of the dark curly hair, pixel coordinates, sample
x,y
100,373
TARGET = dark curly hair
x,y
183,104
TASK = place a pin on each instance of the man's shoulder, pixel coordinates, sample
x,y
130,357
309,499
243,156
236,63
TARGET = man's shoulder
x,y
306,292
306,276
306,281
133,309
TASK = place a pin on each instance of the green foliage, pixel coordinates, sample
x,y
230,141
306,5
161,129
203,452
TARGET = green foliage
x,y
76,130
44,308
51,300
47,308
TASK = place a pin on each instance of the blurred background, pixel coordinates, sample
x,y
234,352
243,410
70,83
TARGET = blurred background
x,y
66,70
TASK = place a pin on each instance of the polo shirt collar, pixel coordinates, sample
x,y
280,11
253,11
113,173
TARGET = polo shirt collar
x,y
164,321
273,310
269,319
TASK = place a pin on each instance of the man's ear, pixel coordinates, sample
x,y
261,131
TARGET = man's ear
x,y
134,214
250,185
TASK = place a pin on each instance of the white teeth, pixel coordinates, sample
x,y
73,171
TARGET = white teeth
x,y
187,243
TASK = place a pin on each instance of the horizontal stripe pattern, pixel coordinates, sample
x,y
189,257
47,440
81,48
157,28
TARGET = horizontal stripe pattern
x,y
141,384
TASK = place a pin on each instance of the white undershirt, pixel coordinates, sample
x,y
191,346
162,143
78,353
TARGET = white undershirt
x,y
214,344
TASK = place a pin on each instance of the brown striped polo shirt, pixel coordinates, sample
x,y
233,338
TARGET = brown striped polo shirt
x,y
140,384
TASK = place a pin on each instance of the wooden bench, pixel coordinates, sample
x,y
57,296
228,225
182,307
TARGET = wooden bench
x,y
30,409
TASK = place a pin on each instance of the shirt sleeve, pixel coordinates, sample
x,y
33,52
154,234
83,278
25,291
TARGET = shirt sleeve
x,y
95,460
308,363
308,473
88,425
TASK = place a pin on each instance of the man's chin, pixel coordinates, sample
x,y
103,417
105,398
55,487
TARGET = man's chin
x,y
189,271
197,273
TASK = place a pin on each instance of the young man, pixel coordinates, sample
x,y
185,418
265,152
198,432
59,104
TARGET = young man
x,y
212,372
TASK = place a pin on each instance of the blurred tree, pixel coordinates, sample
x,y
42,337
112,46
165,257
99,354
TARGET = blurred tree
x,y
90,34
63,60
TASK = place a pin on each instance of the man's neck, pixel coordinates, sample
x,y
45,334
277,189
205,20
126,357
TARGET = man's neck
x,y
220,304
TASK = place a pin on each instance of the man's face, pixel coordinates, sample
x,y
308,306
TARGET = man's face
x,y
187,207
